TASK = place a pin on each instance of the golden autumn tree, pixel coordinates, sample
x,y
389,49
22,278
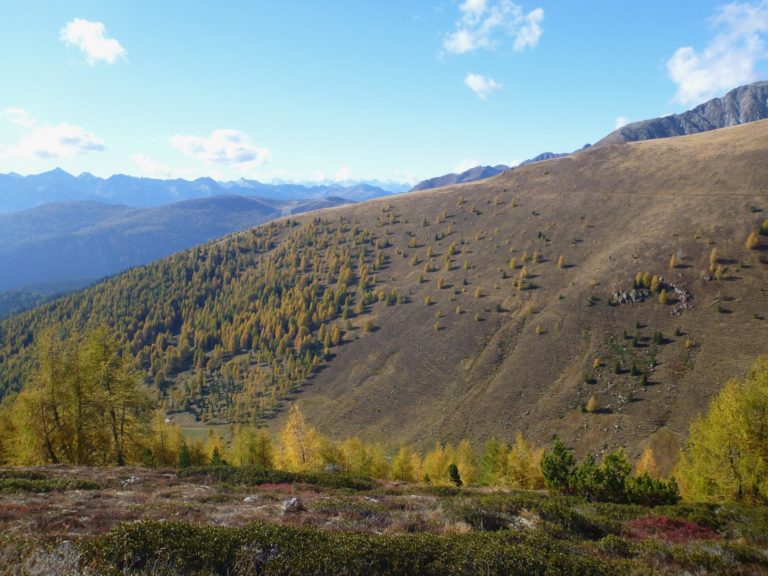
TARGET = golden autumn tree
x,y
465,460
123,404
164,442
84,404
359,458
435,464
647,464
523,468
726,456
404,467
251,447
672,262
300,443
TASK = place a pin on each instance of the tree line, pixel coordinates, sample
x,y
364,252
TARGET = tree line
x,y
87,404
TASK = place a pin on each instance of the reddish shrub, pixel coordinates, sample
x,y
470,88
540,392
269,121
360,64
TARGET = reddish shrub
x,y
672,530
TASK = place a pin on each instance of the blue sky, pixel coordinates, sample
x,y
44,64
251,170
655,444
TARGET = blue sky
x,y
350,90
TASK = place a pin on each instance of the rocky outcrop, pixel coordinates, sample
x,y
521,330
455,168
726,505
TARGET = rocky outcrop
x,y
744,104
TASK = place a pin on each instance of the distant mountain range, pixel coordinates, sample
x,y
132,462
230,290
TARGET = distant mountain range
x,y
743,104
482,172
23,192
471,175
77,241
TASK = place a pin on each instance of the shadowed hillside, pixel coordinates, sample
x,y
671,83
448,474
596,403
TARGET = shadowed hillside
x,y
442,335
75,241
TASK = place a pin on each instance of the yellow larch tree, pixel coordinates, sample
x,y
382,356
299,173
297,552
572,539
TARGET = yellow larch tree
x,y
523,469
725,457
647,464
300,443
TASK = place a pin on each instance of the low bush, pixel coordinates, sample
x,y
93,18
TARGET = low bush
x,y
440,491
616,545
494,512
23,474
19,485
706,557
260,548
253,476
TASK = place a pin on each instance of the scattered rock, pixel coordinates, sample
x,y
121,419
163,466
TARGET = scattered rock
x,y
521,523
250,499
292,505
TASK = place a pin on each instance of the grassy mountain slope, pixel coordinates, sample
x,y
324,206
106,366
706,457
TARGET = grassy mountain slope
x,y
230,329
610,212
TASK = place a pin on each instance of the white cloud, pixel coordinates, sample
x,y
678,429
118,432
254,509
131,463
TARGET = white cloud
x,y
465,164
49,141
18,116
473,8
60,141
404,177
482,85
730,58
484,22
530,31
343,174
225,146
91,39
153,169
621,121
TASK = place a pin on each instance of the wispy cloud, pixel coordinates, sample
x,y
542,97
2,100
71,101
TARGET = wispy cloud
x,y
91,39
484,23
18,116
465,164
343,174
154,169
225,147
49,141
482,85
728,60
620,122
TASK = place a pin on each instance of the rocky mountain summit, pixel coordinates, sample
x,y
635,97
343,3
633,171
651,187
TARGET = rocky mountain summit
x,y
740,105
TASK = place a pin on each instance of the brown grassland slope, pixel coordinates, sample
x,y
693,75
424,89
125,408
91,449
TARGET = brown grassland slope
x,y
486,358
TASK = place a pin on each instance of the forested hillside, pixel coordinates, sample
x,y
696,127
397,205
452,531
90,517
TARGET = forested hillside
x,y
228,329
